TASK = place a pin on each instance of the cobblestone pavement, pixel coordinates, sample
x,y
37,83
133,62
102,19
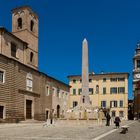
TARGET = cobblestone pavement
x,y
36,131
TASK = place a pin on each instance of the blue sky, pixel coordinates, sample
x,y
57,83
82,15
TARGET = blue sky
x,y
112,28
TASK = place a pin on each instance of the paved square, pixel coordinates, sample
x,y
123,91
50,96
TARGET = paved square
x,y
36,131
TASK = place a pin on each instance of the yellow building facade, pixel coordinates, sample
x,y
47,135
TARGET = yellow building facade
x,y
107,91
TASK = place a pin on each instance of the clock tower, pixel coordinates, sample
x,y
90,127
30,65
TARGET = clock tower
x,y
136,81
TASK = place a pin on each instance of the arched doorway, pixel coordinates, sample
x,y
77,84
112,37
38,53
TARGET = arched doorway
x,y
47,114
58,111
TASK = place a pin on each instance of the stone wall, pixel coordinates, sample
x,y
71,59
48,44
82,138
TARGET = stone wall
x,y
13,93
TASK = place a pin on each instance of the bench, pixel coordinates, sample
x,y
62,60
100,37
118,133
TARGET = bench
x,y
124,129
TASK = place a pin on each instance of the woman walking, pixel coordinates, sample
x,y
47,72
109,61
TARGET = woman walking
x,y
117,122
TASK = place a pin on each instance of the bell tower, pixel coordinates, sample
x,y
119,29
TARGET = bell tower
x,y
25,27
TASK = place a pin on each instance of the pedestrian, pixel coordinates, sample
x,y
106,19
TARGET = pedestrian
x,y
100,117
51,116
117,122
108,119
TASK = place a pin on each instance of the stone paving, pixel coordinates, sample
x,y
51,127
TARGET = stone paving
x,y
133,133
36,131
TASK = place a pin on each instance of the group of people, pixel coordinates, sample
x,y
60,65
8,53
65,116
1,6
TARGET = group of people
x,y
116,121
50,120
108,117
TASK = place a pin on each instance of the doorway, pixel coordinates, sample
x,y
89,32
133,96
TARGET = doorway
x,y
28,109
47,114
1,112
58,111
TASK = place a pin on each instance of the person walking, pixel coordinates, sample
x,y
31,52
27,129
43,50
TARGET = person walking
x,y
51,116
117,122
100,117
108,119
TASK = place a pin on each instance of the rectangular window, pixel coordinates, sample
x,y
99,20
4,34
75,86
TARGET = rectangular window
x,y
13,49
90,80
60,94
90,90
121,89
113,90
121,79
113,103
103,104
2,76
29,84
75,103
74,91
110,104
113,113
97,89
104,79
66,96
121,114
121,103
47,91
79,91
53,91
74,81
138,63
113,79
63,95
104,90
57,92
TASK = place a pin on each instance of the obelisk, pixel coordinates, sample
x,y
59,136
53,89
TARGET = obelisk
x,y
85,100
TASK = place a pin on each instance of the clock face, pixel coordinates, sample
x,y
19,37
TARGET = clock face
x,y
138,75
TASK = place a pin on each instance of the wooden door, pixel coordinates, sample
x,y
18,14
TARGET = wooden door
x,y
1,112
28,109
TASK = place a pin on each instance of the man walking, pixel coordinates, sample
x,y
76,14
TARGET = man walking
x,y
108,119
51,116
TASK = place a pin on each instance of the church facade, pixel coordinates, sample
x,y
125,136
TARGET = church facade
x,y
25,92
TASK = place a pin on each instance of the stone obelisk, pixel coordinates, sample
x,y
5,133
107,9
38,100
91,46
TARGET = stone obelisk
x,y
85,100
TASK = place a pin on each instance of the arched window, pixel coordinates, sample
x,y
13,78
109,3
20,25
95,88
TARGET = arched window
x,y
31,25
83,99
31,56
19,23
97,89
29,82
